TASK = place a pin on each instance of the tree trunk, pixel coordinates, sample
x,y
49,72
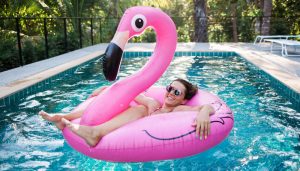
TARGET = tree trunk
x,y
267,11
234,22
258,22
200,19
115,8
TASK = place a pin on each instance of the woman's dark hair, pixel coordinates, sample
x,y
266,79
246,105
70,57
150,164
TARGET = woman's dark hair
x,y
190,89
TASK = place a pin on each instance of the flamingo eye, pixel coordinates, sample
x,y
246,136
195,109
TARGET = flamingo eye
x,y
138,22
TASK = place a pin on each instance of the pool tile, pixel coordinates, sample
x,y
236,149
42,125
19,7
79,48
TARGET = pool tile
x,y
175,54
179,53
12,98
20,94
17,97
30,89
24,93
7,101
2,104
46,84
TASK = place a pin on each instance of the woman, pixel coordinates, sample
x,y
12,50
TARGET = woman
x,y
177,94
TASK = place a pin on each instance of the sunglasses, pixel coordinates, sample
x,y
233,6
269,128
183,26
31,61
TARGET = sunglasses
x,y
176,92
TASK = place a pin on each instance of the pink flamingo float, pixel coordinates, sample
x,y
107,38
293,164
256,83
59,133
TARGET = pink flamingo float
x,y
157,137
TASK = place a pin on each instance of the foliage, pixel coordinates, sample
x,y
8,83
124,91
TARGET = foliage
x,y
223,12
291,11
225,19
183,18
8,56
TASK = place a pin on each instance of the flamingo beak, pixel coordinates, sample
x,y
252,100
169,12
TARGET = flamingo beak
x,y
113,55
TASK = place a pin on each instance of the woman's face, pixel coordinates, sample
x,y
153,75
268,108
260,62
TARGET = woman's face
x,y
175,96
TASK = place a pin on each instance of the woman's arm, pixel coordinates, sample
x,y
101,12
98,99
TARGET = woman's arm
x,y
202,122
149,102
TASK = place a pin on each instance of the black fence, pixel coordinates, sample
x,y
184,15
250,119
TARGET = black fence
x,y
28,39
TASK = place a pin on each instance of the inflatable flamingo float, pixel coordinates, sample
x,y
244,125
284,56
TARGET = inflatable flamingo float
x,y
157,137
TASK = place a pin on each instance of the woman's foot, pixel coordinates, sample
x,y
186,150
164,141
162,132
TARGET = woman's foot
x,y
90,134
56,119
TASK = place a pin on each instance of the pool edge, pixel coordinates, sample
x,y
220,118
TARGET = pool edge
x,y
37,80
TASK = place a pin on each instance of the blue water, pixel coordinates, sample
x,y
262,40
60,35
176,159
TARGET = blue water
x,y
265,135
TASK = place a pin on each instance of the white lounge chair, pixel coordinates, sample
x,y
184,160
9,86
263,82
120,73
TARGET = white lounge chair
x,y
284,44
260,39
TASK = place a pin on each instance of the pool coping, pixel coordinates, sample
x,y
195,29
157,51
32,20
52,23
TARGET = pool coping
x,y
31,74
281,68
261,59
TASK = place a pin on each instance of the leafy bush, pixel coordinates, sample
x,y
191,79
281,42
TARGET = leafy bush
x,y
9,52
33,49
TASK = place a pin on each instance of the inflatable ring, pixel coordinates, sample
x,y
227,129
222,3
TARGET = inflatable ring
x,y
156,137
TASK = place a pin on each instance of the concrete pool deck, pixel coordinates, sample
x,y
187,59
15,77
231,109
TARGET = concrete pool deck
x,y
284,69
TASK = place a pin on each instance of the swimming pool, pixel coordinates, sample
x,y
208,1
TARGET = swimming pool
x,y
265,134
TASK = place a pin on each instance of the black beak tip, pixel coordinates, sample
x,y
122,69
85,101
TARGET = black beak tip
x,y
111,61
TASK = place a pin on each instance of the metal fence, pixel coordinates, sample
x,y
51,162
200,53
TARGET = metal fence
x,y
28,39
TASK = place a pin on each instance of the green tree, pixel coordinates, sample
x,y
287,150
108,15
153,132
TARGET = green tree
x,y
285,18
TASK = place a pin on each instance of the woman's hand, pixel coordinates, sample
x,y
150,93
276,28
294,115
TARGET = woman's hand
x,y
202,122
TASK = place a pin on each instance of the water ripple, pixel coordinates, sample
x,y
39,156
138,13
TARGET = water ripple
x,y
266,134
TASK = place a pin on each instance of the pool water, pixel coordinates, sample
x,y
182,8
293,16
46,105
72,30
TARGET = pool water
x,y
266,134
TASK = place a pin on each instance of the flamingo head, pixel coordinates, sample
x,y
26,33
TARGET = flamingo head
x,y
133,23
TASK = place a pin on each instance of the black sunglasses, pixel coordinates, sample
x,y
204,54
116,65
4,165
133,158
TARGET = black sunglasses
x,y
176,92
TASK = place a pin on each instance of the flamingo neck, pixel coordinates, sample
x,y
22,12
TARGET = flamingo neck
x,y
166,41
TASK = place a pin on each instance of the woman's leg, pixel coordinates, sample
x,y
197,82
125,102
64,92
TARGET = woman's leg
x,y
59,116
56,118
93,134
